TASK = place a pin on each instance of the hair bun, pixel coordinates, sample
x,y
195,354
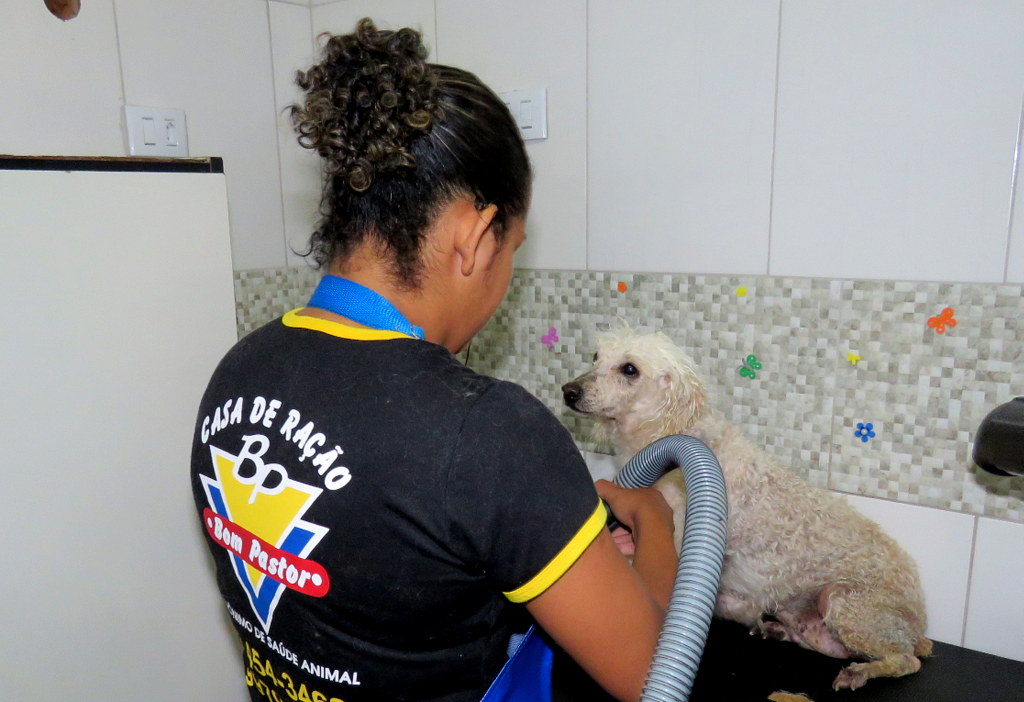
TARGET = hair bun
x,y
369,96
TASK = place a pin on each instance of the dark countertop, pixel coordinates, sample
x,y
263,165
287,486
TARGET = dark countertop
x,y
738,667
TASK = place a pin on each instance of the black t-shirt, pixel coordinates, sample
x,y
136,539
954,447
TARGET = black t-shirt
x,y
375,510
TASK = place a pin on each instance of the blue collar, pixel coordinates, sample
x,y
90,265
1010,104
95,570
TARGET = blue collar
x,y
360,304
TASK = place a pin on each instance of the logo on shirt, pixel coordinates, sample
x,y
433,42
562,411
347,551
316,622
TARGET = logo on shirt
x,y
255,512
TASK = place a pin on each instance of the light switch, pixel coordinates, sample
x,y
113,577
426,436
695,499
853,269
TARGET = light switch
x,y
171,133
529,110
526,115
148,131
155,131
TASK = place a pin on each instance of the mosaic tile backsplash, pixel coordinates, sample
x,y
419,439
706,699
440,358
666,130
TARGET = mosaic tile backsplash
x,y
867,387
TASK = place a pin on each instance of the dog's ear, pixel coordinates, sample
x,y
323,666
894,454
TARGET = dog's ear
x,y
698,398
685,396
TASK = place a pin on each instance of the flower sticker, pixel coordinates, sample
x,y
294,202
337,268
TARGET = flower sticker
x,y
943,320
865,431
852,357
551,338
750,366
741,291
622,287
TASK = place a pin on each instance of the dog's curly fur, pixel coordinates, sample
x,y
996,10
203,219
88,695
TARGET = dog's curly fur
x,y
801,564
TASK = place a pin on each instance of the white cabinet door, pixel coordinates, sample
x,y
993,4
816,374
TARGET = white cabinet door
x,y
117,304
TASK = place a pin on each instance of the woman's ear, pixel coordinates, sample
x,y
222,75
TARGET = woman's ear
x,y
470,226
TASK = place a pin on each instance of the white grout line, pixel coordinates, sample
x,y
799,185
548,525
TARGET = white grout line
x,y
437,37
277,134
970,582
1014,177
775,134
120,65
586,136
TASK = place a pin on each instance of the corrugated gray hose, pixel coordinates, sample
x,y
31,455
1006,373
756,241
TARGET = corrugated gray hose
x,y
682,639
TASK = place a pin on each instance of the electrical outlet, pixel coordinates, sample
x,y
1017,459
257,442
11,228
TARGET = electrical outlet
x,y
155,131
530,110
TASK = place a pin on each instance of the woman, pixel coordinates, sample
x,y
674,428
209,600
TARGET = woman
x,y
382,518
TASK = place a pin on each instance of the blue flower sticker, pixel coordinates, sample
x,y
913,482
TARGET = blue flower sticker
x,y
865,431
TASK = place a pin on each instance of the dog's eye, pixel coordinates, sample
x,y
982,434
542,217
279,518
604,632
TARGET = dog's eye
x,y
595,358
629,370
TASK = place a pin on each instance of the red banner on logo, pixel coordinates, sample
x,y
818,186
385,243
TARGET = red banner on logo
x,y
294,572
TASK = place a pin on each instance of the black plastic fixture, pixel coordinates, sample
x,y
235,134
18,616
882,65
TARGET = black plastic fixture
x,y
999,443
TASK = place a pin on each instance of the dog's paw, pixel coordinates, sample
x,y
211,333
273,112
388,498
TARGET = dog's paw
x,y
782,696
771,629
851,677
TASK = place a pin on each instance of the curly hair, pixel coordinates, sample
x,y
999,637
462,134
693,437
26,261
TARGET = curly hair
x,y
399,138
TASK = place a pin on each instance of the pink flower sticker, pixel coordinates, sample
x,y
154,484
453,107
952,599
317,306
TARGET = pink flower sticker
x,y
551,338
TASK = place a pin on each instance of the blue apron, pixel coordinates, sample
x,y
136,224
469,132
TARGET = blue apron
x,y
526,676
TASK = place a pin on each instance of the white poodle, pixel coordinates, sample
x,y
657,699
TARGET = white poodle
x,y
801,564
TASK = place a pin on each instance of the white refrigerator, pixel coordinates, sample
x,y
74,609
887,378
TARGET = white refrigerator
x,y
117,302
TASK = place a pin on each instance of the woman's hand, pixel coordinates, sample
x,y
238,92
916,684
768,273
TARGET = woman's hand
x,y
623,539
627,505
636,507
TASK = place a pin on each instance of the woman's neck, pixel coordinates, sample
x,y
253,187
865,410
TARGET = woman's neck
x,y
464,272
415,304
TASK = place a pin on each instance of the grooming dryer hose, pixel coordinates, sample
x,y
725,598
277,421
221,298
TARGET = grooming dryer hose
x,y
682,639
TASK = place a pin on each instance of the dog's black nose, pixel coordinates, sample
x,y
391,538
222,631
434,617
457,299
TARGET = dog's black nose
x,y
571,393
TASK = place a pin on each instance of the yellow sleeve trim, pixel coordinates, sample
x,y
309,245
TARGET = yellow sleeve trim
x,y
342,331
565,558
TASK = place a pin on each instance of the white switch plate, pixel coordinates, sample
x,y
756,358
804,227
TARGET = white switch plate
x,y
155,131
529,108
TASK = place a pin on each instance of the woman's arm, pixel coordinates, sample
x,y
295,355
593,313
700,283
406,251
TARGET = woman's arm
x,y
602,612
650,521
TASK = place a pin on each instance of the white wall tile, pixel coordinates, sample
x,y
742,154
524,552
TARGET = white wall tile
x,y
940,542
60,82
681,103
995,617
291,36
212,59
534,44
896,130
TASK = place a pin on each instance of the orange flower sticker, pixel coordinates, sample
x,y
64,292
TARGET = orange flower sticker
x,y
943,320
